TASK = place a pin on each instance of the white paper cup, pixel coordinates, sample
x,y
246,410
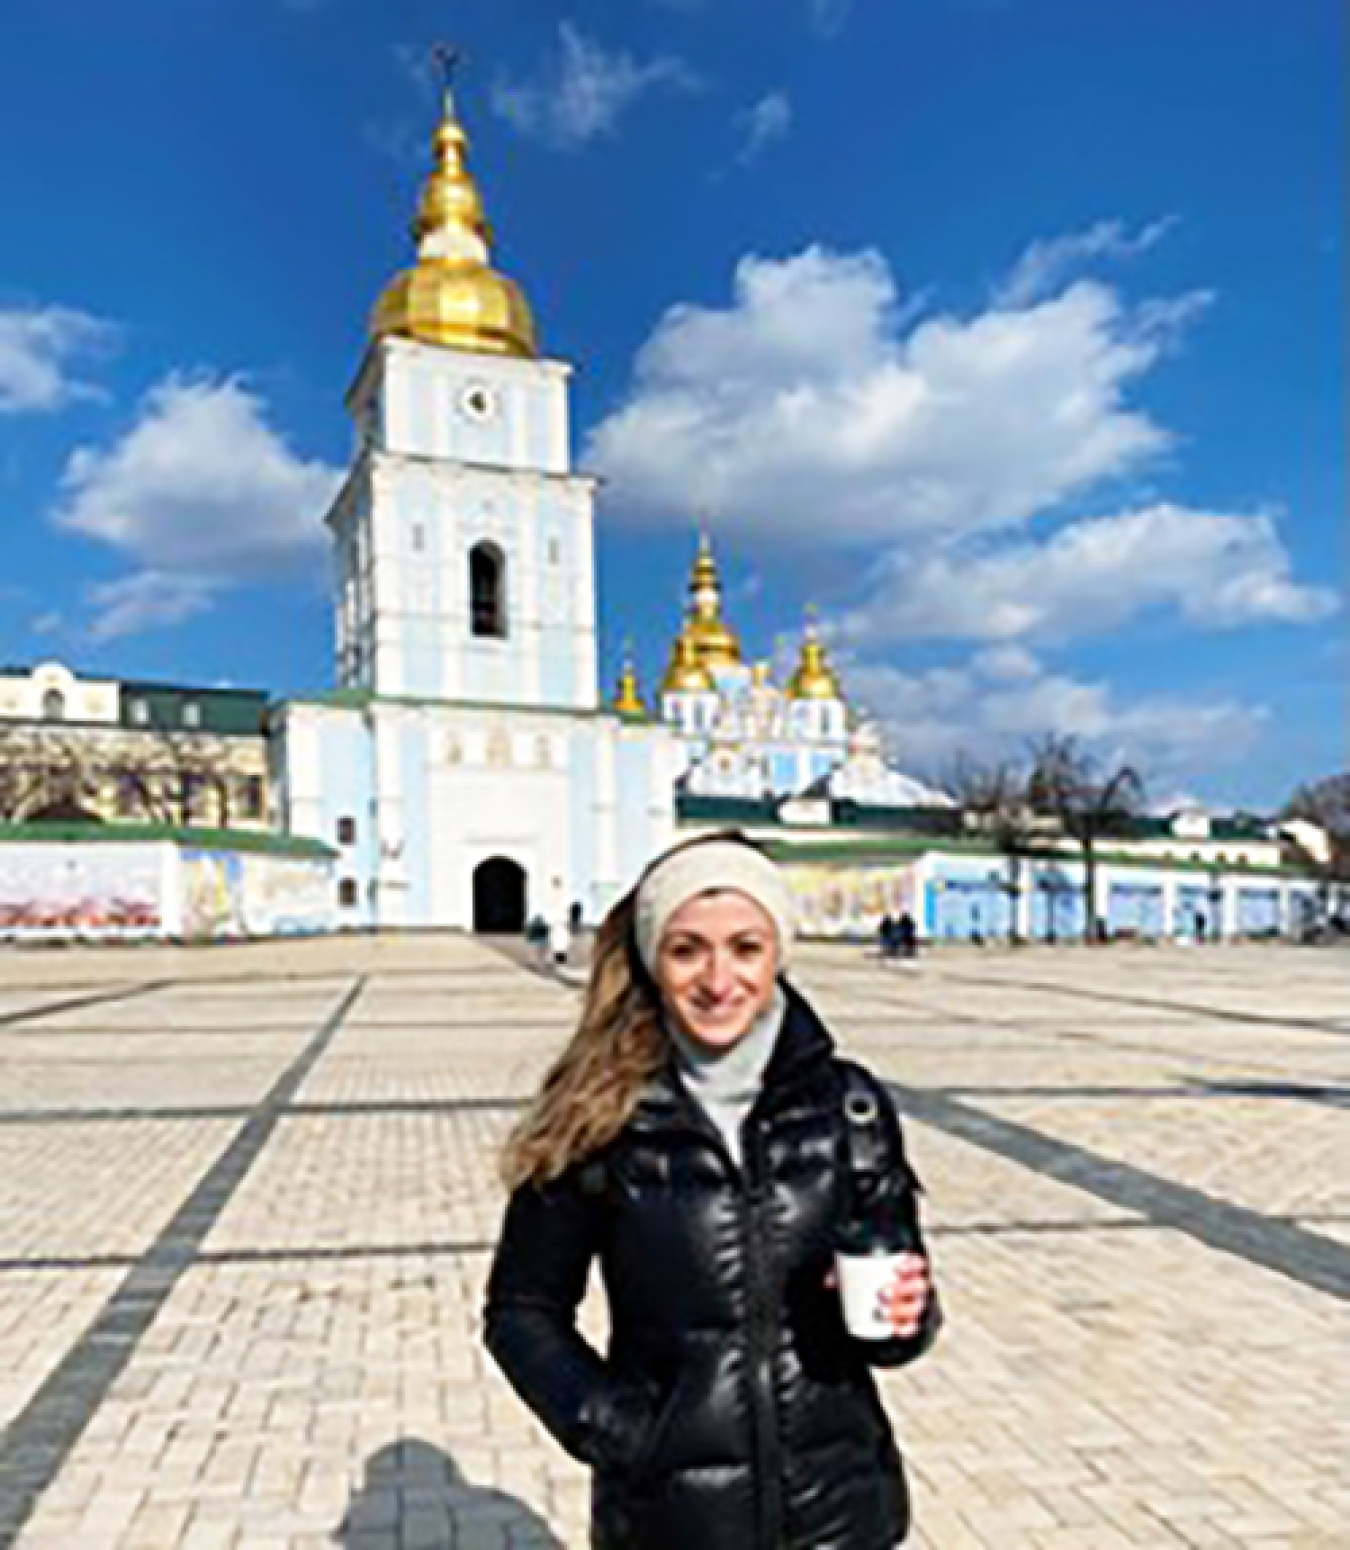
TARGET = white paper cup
x,y
862,1280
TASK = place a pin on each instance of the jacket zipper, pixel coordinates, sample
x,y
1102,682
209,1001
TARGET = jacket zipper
x,y
763,1400
745,1177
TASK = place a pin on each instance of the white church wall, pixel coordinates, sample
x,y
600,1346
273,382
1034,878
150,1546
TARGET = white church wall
x,y
416,736
328,795
476,815
593,815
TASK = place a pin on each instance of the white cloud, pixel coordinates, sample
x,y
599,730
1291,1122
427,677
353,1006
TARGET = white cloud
x,y
762,124
828,17
979,710
807,411
147,600
1216,570
581,95
39,347
1050,261
201,493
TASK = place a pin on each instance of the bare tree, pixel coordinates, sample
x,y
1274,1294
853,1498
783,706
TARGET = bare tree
x,y
168,777
172,777
995,799
1325,803
47,775
142,775
18,775
1089,800
200,780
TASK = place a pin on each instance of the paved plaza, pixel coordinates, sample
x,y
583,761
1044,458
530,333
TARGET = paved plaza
x,y
247,1200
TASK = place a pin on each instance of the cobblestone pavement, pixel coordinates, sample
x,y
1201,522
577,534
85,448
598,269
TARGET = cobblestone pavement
x,y
247,1199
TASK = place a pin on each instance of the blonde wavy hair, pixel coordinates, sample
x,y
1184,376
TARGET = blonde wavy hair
x,y
593,1087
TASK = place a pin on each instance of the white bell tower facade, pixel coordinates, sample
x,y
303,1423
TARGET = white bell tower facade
x,y
463,769
465,546
464,542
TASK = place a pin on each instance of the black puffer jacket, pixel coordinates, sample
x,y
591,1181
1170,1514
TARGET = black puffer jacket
x,y
734,1411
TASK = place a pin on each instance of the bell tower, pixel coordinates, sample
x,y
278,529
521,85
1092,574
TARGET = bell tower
x,y
464,541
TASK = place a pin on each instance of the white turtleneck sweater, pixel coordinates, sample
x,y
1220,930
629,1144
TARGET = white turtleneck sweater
x,y
725,1083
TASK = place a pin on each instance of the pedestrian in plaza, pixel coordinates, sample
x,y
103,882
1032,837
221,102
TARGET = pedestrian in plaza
x,y
886,936
747,1196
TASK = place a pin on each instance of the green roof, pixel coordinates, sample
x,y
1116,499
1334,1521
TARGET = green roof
x,y
263,840
692,808
229,712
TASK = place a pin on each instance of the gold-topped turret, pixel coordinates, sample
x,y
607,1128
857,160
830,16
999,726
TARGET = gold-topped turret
x,y
714,641
814,678
453,296
627,697
685,674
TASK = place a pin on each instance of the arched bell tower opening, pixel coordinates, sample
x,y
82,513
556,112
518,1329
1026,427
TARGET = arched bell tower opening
x,y
499,897
487,591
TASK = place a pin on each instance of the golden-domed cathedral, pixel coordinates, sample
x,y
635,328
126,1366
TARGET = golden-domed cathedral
x,y
743,736
465,766
465,770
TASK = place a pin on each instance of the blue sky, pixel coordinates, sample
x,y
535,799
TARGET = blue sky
x,y
1009,333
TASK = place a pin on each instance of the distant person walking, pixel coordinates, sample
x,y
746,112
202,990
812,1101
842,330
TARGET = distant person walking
x,y
886,936
748,1197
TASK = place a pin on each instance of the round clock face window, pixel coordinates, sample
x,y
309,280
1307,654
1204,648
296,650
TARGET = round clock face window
x,y
478,402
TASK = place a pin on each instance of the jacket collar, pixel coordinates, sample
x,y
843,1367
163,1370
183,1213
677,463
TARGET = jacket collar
x,y
803,1045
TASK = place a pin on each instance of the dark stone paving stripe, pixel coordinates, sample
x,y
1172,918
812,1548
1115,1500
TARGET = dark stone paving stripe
x,y
1203,1091
453,1248
389,1106
1201,1088
1156,1003
30,1014
1307,1257
36,1444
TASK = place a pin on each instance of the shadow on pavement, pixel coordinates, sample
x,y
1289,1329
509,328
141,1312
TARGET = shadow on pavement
x,y
414,1494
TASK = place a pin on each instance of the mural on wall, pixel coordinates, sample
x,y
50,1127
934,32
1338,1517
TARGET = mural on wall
x,y
286,896
213,890
105,889
836,903
227,893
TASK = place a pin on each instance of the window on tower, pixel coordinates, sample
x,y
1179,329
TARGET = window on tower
x,y
487,591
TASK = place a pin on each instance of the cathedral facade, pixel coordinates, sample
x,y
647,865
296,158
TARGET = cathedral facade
x,y
465,771
465,767
741,735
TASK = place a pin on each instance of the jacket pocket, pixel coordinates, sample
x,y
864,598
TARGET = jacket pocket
x,y
616,1421
664,1416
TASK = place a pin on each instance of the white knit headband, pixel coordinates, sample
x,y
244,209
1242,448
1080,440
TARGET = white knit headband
x,y
713,867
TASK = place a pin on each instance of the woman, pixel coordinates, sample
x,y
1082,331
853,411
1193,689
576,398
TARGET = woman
x,y
694,1138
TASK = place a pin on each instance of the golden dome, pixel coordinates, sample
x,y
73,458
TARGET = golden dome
x,y
815,678
452,296
685,673
714,642
627,699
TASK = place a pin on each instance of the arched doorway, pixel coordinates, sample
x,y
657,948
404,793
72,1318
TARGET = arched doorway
x,y
499,896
